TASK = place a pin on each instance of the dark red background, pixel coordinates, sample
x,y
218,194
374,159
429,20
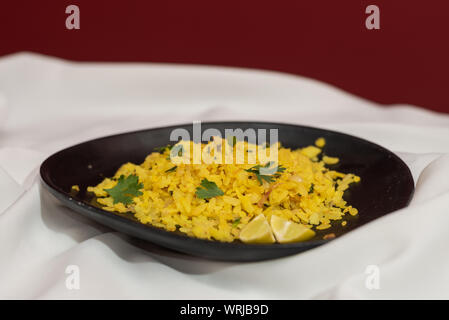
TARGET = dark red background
x,y
406,61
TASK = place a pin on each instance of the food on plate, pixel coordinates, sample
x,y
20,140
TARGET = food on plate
x,y
287,231
257,231
232,201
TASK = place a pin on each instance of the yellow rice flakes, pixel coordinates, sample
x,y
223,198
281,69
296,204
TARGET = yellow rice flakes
x,y
306,192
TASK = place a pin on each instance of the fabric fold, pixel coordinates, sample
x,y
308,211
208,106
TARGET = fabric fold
x,y
10,190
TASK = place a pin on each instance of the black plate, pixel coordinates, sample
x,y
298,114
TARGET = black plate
x,y
387,184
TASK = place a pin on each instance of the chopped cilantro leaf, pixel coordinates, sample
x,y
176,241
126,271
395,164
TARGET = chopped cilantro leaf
x,y
176,150
268,178
172,169
312,186
125,189
163,149
208,190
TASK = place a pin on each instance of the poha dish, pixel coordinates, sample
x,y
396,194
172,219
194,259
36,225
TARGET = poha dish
x,y
228,202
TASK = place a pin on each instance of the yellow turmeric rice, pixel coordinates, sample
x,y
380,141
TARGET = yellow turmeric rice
x,y
305,191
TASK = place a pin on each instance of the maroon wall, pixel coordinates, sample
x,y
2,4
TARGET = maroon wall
x,y
406,61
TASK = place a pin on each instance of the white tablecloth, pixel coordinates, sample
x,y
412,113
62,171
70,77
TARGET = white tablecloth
x,y
48,104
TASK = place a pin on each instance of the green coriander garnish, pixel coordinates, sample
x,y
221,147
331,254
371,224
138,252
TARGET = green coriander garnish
x,y
236,222
125,189
163,149
268,178
311,189
208,189
172,169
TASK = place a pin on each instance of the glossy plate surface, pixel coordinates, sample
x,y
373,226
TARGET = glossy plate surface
x,y
387,184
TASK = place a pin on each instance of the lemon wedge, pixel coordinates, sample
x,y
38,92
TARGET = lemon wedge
x,y
257,231
287,231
